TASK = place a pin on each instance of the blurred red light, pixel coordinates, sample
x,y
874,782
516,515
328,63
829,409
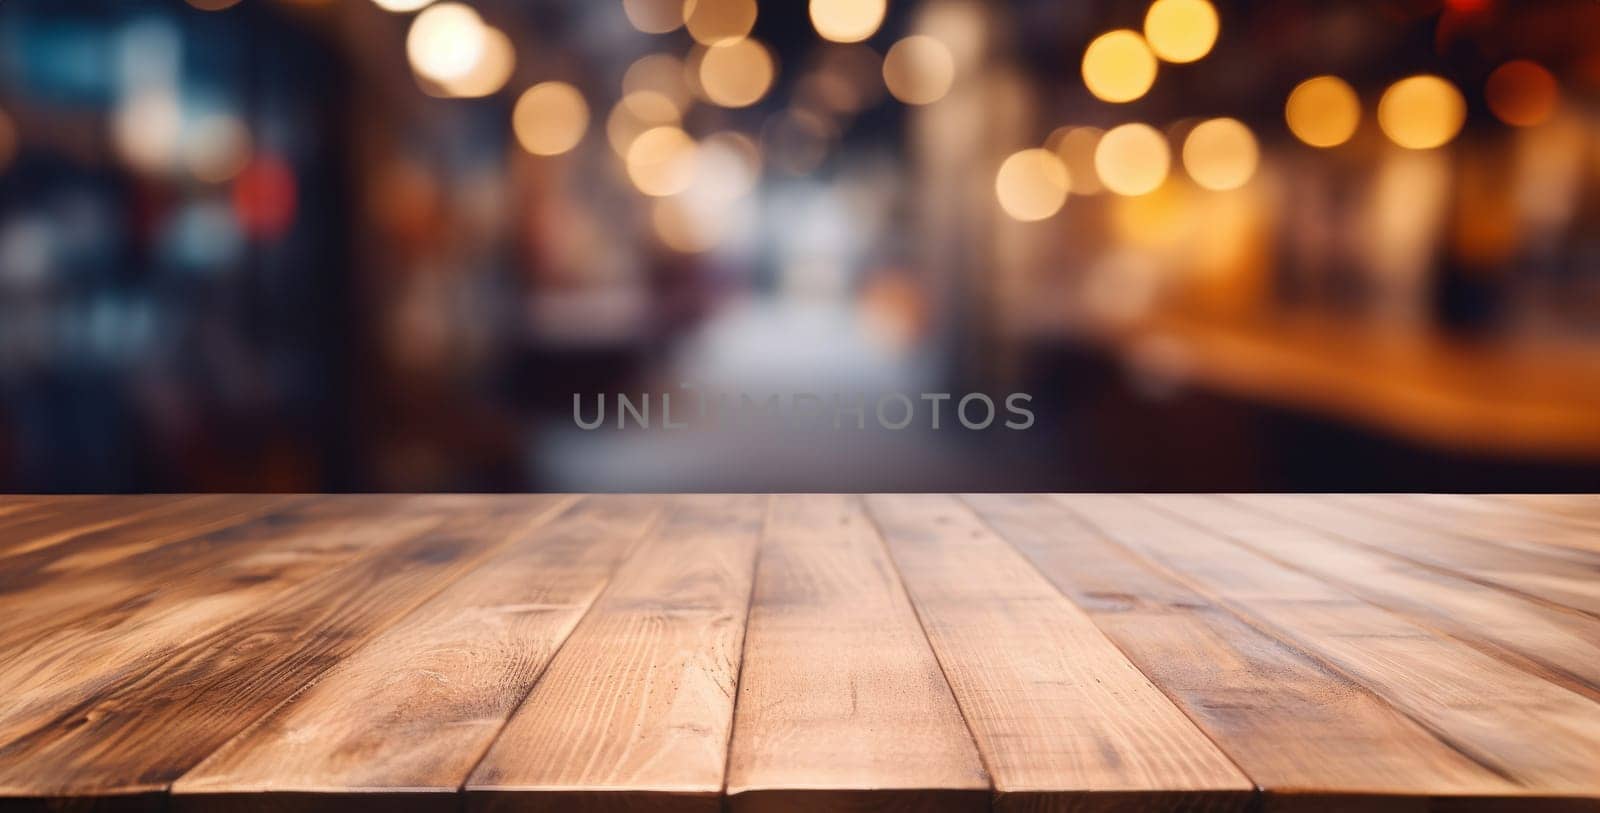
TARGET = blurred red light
x,y
265,197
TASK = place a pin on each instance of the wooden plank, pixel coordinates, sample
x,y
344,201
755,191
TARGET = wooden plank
x,y
415,708
191,581
1540,735
1558,576
637,706
841,702
48,558
1061,718
1480,518
1583,509
136,730
62,520
1556,644
1295,728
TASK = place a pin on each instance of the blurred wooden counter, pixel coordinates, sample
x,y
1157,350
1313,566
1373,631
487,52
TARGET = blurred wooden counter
x,y
1529,399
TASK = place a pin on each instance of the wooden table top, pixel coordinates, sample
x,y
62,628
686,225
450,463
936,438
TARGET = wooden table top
x,y
705,652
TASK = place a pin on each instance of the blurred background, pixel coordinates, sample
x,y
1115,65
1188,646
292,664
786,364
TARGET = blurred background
x,y
379,245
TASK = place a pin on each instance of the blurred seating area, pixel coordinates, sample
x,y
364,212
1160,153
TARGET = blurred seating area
x,y
380,245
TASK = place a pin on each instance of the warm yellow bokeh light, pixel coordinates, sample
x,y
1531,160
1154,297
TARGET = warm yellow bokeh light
x,y
847,20
1522,93
1132,159
727,167
686,228
1421,112
1181,30
919,70
1032,185
1323,111
638,112
400,6
661,162
550,118
492,70
737,73
662,74
1221,154
445,42
713,22
1075,147
654,16
1118,66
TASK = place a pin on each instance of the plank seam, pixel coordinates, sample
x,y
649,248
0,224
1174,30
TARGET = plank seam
x,y
1528,663
541,519
650,529
1271,631
922,625
744,639
1034,566
1482,582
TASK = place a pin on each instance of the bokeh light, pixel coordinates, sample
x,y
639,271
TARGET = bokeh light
x,y
727,166
714,22
638,112
550,118
919,70
847,20
492,70
1032,185
216,147
1181,30
213,5
146,128
266,197
1132,159
661,74
1075,147
1118,66
1421,112
654,16
661,162
736,73
1221,154
1323,111
445,42
401,6
1522,93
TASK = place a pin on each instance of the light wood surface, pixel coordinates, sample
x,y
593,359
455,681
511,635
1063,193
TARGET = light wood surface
x,y
1055,708
800,653
640,698
839,690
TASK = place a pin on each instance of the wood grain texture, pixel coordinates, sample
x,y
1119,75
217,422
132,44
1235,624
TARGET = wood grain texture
x,y
1060,716
1481,518
1540,735
636,708
47,559
59,520
1557,644
1541,572
436,687
841,702
1294,727
142,728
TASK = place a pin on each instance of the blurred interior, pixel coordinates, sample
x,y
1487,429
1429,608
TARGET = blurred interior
x,y
378,245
